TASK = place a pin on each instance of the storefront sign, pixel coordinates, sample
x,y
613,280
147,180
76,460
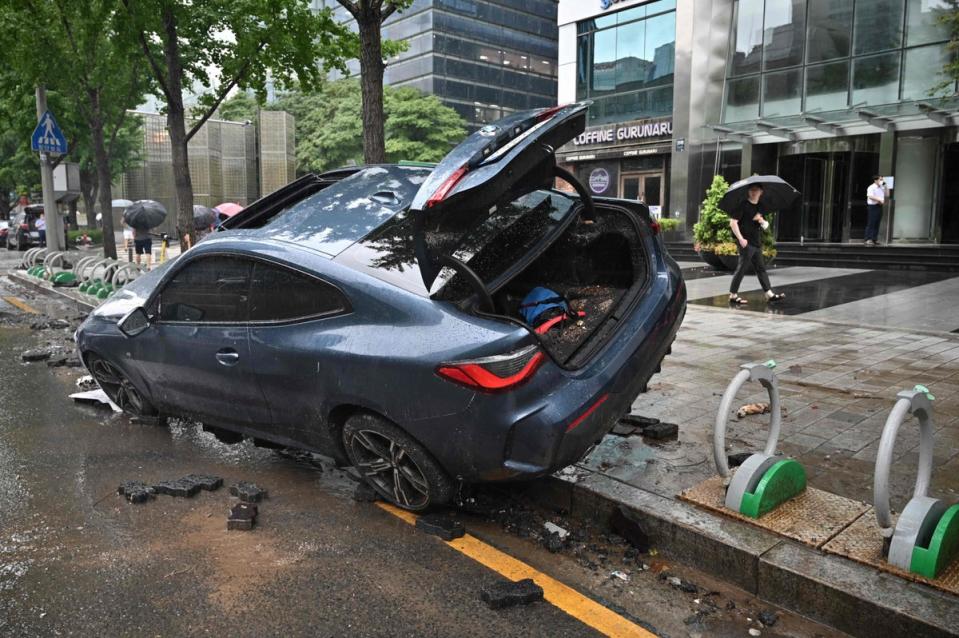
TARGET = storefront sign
x,y
599,180
625,133
606,4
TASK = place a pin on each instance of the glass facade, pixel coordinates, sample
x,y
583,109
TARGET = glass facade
x,y
803,56
224,163
625,62
483,58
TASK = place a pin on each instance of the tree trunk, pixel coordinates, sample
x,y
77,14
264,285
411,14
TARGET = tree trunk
x,y
4,209
88,190
371,80
176,125
72,216
104,178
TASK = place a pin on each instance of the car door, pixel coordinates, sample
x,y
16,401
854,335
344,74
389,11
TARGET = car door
x,y
297,322
198,355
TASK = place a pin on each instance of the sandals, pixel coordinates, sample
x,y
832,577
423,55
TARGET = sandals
x,y
778,297
739,301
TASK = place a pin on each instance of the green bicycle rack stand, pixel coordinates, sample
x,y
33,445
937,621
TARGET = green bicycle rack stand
x,y
925,540
764,481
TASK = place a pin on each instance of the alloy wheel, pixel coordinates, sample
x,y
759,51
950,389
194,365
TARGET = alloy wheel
x,y
120,390
390,469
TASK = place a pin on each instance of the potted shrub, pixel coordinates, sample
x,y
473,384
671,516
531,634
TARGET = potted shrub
x,y
713,238
669,228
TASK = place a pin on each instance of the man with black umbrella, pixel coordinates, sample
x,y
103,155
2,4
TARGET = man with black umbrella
x,y
748,224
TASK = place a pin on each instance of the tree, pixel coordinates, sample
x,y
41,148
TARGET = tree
x,y
370,16
949,18
243,43
89,65
241,107
328,135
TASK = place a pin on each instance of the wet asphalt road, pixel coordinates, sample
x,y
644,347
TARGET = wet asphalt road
x,y
75,559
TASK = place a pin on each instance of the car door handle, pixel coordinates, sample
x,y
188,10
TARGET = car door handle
x,y
228,357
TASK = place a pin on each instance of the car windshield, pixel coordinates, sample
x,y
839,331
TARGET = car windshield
x,y
335,217
489,247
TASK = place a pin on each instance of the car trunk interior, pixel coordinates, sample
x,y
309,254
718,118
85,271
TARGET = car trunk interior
x,y
593,266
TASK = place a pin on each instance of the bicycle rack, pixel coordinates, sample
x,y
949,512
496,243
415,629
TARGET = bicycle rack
x,y
29,258
764,481
50,261
925,540
124,274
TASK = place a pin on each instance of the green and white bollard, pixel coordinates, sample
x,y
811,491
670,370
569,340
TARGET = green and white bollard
x,y
764,481
925,540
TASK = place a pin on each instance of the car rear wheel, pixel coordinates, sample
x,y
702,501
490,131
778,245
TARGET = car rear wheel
x,y
119,388
394,464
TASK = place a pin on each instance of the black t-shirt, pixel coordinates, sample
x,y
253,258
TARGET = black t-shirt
x,y
750,230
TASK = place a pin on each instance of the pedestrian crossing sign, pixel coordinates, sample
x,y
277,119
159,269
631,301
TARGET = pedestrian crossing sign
x,y
47,137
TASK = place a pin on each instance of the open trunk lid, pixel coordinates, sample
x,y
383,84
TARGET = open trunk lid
x,y
494,164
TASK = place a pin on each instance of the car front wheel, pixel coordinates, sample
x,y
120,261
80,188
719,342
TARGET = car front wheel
x,y
119,388
394,464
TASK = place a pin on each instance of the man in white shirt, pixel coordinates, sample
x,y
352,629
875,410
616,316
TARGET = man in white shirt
x,y
875,198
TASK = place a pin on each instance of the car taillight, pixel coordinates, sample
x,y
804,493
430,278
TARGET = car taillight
x,y
495,374
550,112
24,226
440,194
654,226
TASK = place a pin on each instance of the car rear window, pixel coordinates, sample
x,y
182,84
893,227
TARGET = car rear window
x,y
488,246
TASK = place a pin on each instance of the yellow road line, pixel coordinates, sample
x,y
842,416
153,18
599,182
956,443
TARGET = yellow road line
x,y
584,609
22,305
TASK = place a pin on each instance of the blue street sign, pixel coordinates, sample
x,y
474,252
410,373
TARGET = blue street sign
x,y
47,137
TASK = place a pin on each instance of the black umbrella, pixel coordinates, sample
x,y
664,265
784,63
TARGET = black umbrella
x,y
778,195
144,214
203,217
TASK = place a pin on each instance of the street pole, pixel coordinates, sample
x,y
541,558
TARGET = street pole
x,y
55,239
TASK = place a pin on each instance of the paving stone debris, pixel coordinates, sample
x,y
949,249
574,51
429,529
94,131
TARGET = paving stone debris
x,y
553,528
365,494
248,492
179,487
37,354
508,594
242,517
661,431
136,491
440,525
768,618
65,360
205,481
637,420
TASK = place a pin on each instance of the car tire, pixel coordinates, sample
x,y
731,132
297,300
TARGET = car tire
x,y
394,464
119,388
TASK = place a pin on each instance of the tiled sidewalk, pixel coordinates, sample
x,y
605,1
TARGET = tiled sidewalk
x,y
838,383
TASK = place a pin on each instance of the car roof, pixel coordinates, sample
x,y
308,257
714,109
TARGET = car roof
x,y
341,214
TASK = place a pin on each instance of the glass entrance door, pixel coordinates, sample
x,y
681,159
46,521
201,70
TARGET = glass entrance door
x,y
644,187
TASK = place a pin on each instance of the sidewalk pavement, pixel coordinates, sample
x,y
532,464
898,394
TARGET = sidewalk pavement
x,y
837,382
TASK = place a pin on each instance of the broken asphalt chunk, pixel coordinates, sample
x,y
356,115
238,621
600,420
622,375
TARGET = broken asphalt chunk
x,y
181,488
248,492
439,525
624,524
661,431
508,594
242,516
621,429
638,421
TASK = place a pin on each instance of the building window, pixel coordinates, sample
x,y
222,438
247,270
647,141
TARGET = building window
x,y
625,62
805,56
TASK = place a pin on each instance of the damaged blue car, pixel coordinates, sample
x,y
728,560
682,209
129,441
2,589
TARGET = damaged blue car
x,y
431,326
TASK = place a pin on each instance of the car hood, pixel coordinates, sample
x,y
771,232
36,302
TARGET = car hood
x,y
493,165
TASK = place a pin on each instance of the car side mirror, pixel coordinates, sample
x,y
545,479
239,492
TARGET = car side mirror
x,y
134,322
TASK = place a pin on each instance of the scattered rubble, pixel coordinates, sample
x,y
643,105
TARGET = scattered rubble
x,y
86,382
206,482
768,618
553,528
179,487
508,594
248,492
620,575
638,421
96,397
440,525
755,632
242,517
661,431
67,360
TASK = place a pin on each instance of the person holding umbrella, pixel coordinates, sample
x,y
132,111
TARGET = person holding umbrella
x,y
746,203
141,216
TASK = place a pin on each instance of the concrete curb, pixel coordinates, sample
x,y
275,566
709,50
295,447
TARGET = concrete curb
x,y
46,288
829,589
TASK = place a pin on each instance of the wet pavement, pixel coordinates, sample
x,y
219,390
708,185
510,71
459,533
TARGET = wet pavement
x,y
838,383
77,559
